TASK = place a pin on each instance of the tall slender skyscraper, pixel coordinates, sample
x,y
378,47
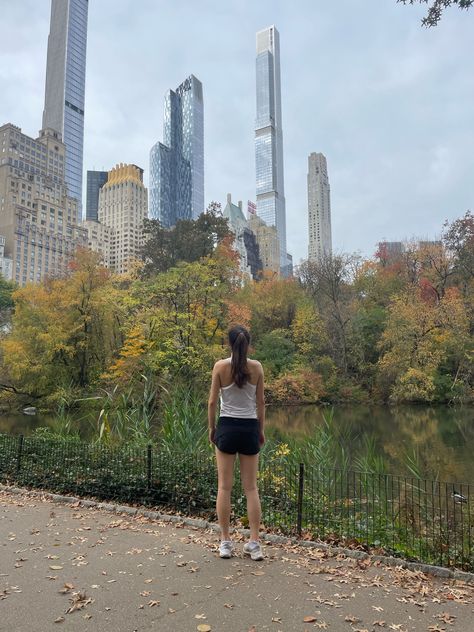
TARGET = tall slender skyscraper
x,y
269,138
177,164
65,84
319,208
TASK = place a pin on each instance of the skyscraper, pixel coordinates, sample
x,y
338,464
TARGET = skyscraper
x,y
177,164
65,84
95,181
123,204
269,138
319,208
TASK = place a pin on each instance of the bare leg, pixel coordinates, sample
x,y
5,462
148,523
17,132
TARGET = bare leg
x,y
248,476
225,476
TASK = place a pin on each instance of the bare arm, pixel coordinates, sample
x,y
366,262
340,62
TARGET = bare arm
x,y
212,402
260,394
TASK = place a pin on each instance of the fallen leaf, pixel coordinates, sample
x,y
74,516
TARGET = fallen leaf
x,y
78,601
200,616
55,568
203,627
258,573
309,619
59,620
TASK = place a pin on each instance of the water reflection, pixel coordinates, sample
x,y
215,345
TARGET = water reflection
x,y
440,438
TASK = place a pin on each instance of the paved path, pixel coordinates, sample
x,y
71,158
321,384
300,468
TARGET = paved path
x,y
67,567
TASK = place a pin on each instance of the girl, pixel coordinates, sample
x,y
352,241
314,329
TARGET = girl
x,y
239,381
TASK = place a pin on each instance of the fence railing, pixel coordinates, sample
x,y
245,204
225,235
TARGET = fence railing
x,y
419,519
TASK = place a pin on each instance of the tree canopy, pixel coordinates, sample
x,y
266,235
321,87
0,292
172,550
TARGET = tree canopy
x,y
436,8
189,240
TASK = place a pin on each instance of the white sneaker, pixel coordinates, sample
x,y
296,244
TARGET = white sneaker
x,y
226,549
254,549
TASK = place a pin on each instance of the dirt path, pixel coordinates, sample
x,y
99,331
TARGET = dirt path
x,y
72,568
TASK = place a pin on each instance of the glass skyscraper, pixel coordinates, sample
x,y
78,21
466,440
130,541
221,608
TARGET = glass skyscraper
x,y
95,181
65,84
269,138
177,164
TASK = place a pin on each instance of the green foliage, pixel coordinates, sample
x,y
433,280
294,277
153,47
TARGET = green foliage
x,y
183,426
189,240
276,351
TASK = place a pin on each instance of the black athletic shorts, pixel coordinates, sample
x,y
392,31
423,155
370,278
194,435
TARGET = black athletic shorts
x,y
238,435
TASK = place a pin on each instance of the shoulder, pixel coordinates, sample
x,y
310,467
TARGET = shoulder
x,y
221,364
256,365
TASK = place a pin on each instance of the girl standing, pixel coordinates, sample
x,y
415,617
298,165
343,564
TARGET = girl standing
x,y
238,381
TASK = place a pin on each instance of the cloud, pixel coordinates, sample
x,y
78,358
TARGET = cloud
x,y
388,102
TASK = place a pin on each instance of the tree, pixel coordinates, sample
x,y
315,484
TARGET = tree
x,y
458,238
189,240
420,337
6,301
328,281
435,10
64,331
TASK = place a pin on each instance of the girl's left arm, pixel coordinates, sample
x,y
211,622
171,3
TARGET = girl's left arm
x,y
212,402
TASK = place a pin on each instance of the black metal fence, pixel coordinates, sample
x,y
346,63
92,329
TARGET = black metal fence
x,y
415,518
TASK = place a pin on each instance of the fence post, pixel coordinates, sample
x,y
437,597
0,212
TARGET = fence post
x,y
19,453
300,500
148,465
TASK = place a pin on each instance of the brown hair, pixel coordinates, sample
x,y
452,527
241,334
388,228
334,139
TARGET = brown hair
x,y
239,340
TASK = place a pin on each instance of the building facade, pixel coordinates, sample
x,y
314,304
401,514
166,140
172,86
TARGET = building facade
x,y
268,244
99,239
38,218
123,205
177,164
269,138
319,208
245,242
65,85
95,181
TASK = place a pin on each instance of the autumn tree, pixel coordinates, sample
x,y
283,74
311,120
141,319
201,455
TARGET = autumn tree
x,y
64,331
421,336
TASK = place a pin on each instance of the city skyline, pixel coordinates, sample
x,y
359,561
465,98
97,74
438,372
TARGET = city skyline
x,y
389,103
64,94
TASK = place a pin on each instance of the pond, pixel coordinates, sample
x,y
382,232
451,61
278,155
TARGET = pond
x,y
442,438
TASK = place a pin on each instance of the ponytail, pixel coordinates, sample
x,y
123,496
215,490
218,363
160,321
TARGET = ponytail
x,y
239,340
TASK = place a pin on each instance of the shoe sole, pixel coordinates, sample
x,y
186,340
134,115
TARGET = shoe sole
x,y
255,558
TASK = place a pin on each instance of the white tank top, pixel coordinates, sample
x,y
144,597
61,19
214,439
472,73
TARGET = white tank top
x,y
239,402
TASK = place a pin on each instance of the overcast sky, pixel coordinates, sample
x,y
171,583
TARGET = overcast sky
x,y
390,104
